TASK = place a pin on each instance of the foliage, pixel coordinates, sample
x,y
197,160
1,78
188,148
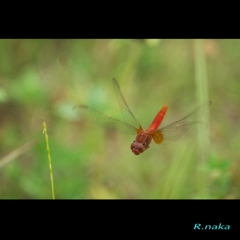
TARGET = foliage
x,y
46,78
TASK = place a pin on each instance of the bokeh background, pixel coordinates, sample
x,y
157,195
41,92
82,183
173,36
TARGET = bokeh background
x,y
46,78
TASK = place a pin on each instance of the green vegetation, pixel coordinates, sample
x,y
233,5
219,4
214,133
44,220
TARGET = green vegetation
x,y
45,79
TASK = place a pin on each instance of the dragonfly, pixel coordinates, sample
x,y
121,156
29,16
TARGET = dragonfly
x,y
143,139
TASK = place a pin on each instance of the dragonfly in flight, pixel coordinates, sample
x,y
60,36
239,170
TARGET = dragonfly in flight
x,y
168,133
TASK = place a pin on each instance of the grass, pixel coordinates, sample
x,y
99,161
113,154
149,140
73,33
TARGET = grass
x,y
49,159
48,77
203,137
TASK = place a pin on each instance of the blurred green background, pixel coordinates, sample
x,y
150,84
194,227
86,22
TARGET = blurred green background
x,y
46,78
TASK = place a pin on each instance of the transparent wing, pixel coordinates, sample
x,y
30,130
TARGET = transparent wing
x,y
96,118
175,130
126,112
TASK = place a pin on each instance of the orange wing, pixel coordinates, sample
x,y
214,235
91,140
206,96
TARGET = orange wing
x,y
175,130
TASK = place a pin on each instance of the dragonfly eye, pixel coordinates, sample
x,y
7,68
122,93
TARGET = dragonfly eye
x,y
137,148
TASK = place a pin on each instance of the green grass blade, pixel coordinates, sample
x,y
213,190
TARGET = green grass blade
x,y
49,158
201,81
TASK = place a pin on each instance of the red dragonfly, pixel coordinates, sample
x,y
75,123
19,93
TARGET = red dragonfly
x,y
143,139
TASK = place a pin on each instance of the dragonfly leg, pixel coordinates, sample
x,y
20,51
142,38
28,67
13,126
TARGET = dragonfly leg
x,y
147,141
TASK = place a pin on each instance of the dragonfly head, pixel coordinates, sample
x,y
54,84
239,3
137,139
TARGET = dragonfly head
x,y
141,143
137,148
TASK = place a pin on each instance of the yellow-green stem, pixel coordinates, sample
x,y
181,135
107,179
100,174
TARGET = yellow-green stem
x,y
203,137
49,158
